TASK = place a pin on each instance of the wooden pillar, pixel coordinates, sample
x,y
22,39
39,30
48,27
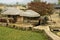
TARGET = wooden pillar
x,y
7,20
22,19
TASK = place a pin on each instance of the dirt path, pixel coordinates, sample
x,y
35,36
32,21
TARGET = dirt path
x,y
48,32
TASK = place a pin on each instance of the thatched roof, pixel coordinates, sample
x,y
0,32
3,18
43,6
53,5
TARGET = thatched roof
x,y
14,11
30,13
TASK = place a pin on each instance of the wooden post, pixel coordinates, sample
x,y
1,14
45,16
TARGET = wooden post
x,y
7,20
22,19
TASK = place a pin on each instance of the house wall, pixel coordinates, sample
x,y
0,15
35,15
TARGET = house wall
x,y
19,20
31,20
26,20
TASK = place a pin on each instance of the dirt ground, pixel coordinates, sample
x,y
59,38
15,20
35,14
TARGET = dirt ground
x,y
56,19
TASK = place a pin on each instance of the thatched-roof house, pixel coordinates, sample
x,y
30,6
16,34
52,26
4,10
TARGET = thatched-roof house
x,y
57,8
20,16
31,16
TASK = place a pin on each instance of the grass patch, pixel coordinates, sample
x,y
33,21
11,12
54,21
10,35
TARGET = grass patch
x,y
13,34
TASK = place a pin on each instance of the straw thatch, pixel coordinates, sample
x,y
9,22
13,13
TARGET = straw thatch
x,y
14,11
30,13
